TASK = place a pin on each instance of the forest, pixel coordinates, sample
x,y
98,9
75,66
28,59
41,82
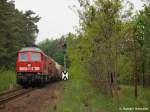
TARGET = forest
x,y
17,29
110,51
113,43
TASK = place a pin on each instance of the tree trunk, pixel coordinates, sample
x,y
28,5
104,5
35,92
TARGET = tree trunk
x,y
135,69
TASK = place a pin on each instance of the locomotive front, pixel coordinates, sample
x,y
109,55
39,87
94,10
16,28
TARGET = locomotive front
x,y
28,65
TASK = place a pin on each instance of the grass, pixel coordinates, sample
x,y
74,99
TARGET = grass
x,y
127,98
79,95
7,79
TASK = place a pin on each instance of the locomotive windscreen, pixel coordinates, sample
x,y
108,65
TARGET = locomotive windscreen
x,y
35,56
29,56
23,56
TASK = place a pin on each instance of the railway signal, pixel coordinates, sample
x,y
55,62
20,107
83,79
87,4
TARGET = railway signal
x,y
65,73
64,44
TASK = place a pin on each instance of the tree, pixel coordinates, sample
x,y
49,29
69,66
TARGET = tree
x,y
143,38
17,29
53,48
100,24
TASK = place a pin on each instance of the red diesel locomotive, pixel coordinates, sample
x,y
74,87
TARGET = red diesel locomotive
x,y
33,66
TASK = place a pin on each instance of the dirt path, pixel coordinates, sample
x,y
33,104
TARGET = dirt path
x,y
38,100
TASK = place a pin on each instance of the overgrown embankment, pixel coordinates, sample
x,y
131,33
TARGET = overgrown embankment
x,y
127,97
7,79
81,95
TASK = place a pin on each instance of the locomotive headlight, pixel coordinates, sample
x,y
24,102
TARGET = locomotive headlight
x,y
22,68
35,68
38,73
29,65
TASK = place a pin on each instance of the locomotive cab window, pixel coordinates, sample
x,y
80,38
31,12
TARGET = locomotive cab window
x,y
35,57
23,57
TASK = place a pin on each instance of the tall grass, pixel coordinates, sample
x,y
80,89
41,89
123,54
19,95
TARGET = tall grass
x,y
80,95
7,79
127,98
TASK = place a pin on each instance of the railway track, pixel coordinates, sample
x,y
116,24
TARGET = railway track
x,y
8,96
9,91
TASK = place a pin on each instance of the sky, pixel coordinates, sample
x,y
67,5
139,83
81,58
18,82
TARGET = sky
x,y
57,18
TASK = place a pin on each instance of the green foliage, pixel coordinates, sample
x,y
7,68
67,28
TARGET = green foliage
x,y
98,42
127,98
111,41
7,78
17,29
81,96
124,70
147,25
59,57
143,39
53,48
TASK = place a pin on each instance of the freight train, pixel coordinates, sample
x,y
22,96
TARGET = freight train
x,y
34,67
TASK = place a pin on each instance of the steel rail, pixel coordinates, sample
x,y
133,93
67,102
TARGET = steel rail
x,y
9,91
14,95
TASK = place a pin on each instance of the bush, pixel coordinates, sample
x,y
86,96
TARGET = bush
x,y
7,79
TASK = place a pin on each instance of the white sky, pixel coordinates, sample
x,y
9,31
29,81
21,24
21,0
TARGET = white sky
x,y
57,18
